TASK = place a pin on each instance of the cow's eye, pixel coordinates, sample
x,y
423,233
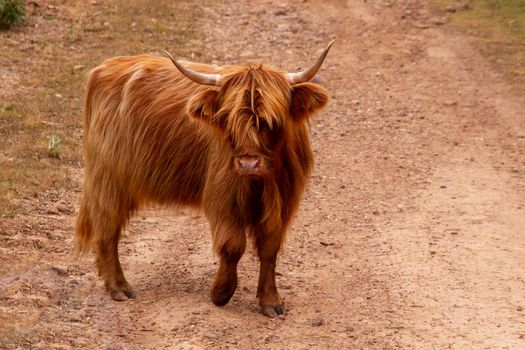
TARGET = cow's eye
x,y
261,124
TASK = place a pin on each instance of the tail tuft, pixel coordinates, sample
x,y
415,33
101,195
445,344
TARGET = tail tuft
x,y
84,230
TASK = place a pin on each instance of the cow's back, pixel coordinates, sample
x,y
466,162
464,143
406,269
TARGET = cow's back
x,y
138,136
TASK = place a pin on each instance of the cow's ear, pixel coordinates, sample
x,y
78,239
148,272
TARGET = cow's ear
x,y
204,104
307,98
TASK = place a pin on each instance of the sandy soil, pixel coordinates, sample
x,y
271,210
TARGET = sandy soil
x,y
411,234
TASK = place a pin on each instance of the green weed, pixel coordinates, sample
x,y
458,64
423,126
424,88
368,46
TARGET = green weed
x,y
54,146
11,12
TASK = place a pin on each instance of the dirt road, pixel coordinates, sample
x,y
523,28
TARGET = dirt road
x,y
411,234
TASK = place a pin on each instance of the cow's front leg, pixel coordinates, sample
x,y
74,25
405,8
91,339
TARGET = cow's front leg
x,y
230,245
267,248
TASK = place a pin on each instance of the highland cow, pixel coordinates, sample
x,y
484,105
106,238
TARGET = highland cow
x,y
233,141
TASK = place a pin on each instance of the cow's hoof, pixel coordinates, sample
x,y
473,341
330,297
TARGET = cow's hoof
x,y
122,293
221,294
273,310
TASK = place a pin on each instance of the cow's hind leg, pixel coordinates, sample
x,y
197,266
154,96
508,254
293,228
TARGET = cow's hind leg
x,y
110,270
108,227
268,246
230,244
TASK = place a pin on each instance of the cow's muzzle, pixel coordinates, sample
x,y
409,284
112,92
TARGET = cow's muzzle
x,y
250,165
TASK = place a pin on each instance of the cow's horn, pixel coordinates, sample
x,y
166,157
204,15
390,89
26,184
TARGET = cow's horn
x,y
199,78
307,75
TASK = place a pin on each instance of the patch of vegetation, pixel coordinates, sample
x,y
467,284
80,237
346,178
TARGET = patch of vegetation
x,y
6,107
54,146
498,27
11,12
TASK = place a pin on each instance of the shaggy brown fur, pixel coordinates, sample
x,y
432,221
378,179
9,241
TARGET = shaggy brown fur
x,y
152,135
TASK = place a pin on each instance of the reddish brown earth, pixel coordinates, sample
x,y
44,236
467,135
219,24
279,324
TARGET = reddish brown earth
x,y
411,234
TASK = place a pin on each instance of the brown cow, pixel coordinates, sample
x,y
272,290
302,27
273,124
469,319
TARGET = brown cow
x,y
230,140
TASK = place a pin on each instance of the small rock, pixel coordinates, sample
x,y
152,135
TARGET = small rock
x,y
76,317
60,269
58,96
62,209
52,211
211,335
317,321
326,244
280,13
246,54
465,6
79,67
439,20
450,8
519,308
421,25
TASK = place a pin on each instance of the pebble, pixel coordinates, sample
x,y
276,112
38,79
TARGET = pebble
x,y
246,54
62,208
52,211
60,269
439,20
211,335
317,321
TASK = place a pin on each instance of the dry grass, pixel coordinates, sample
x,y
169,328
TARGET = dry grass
x,y
497,27
42,69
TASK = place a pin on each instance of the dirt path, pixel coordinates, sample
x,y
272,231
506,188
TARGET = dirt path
x,y
410,235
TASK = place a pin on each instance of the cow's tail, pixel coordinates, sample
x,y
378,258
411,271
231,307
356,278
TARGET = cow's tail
x,y
84,224
89,97
83,229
